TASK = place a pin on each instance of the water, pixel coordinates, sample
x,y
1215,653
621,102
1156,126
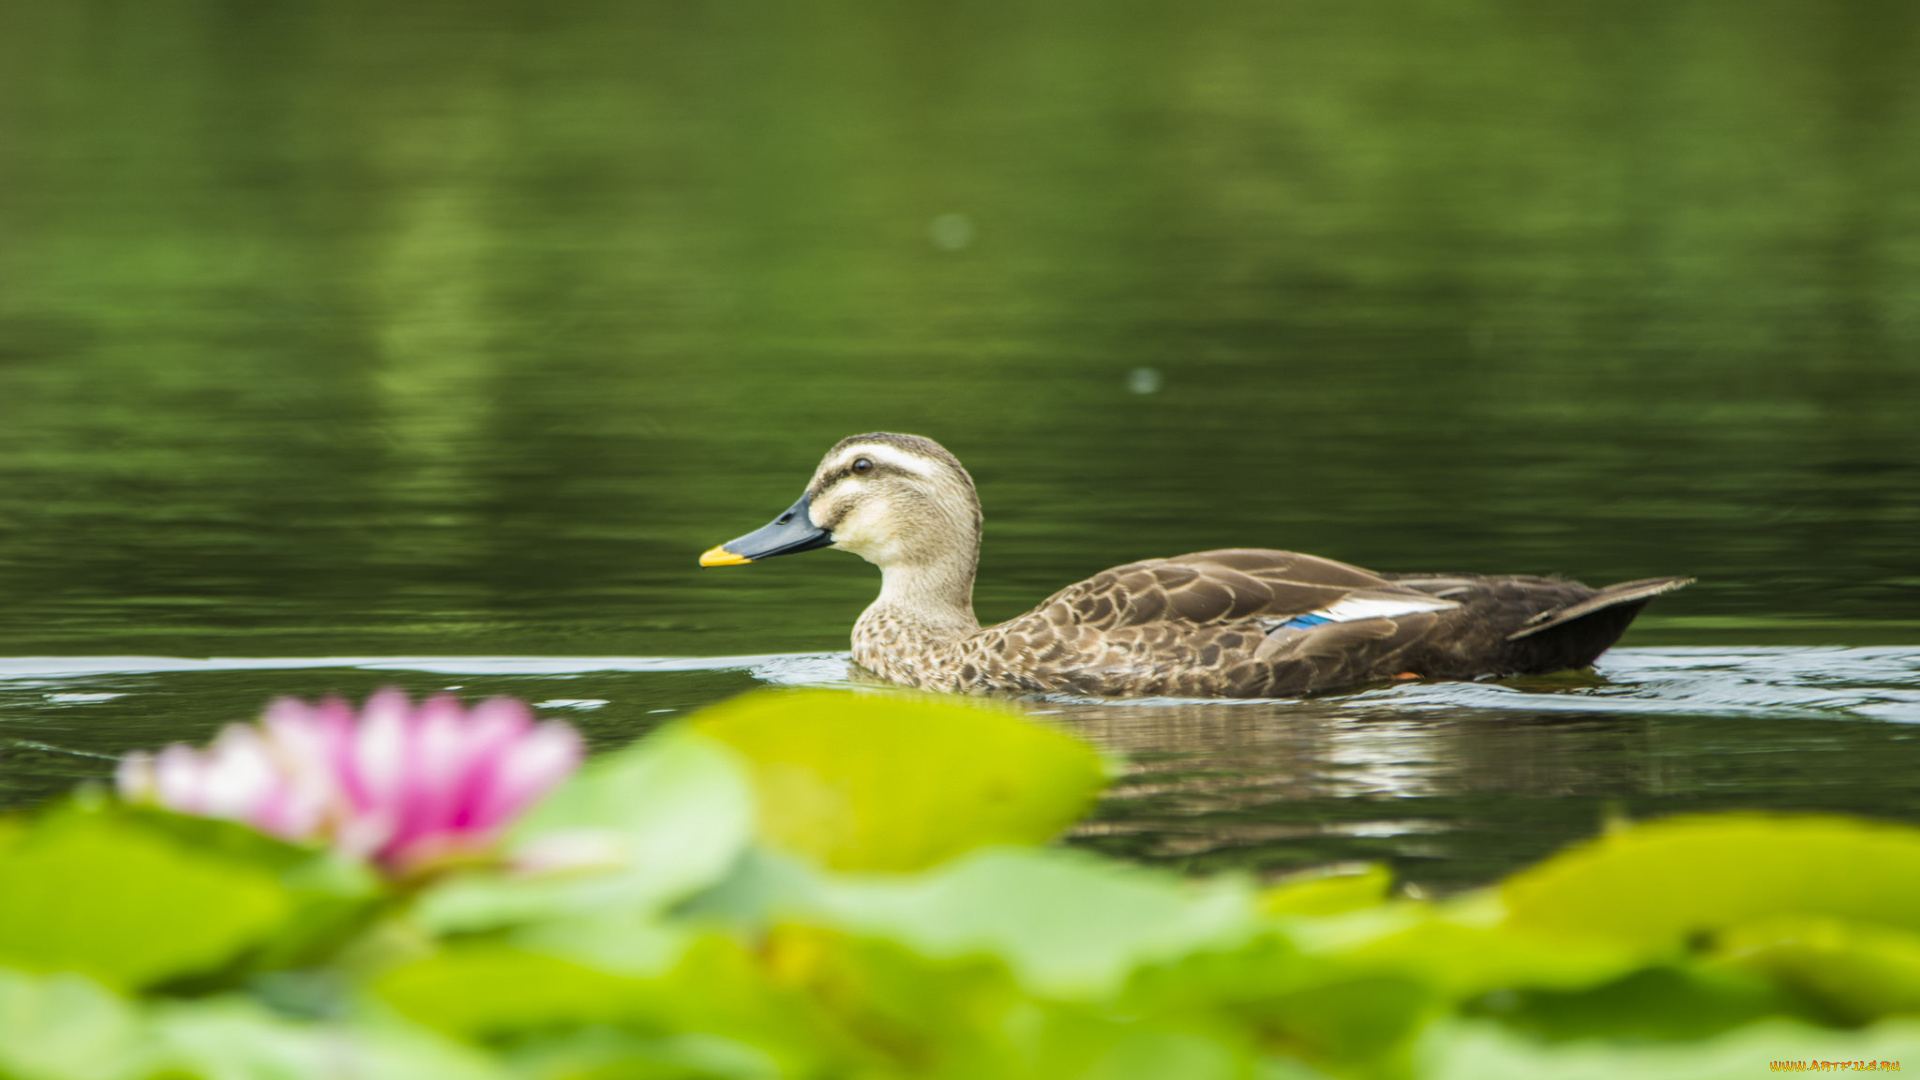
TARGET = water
x,y
335,331
1451,783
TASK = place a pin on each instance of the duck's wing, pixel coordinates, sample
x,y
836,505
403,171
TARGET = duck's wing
x,y
1505,625
1212,588
1294,661
1210,624
1250,622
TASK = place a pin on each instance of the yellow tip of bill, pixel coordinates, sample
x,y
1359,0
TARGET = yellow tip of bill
x,y
720,556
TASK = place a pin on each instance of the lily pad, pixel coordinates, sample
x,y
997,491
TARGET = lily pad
x,y
66,1027
1330,893
1067,924
97,892
901,782
647,825
1859,971
1656,885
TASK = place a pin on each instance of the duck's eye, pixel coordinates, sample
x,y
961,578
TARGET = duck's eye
x,y
862,466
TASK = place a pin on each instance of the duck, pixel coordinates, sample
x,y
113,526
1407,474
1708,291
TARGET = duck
x,y
1233,623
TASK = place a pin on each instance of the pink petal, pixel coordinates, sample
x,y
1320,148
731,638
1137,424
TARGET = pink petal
x,y
536,765
398,784
306,732
283,812
307,742
437,758
337,727
239,775
363,834
381,749
134,777
178,779
495,727
458,755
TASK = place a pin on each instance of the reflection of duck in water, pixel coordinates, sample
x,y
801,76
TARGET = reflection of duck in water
x,y
1237,623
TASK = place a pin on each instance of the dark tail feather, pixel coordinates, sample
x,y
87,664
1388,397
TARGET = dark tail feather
x,y
1636,593
1576,635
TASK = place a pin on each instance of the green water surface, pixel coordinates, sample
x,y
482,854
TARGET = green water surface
x,y
350,329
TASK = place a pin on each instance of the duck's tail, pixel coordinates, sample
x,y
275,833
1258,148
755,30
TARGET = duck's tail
x,y
1612,598
1574,636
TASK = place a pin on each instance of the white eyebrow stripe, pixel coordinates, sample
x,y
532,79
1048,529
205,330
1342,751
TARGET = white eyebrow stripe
x,y
886,455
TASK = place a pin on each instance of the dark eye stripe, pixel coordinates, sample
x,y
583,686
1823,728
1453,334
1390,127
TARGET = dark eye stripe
x,y
880,468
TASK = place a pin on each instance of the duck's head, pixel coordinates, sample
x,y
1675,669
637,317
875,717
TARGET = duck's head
x,y
894,500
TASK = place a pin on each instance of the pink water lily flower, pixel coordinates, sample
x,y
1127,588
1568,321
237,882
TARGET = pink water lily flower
x,y
399,784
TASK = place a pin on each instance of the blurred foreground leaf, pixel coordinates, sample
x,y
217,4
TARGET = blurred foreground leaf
x,y
66,1027
1658,884
498,993
1067,924
1669,1002
105,894
1461,948
902,922
1478,1050
487,989
1268,992
1329,894
800,1002
231,1038
1858,971
896,782
654,822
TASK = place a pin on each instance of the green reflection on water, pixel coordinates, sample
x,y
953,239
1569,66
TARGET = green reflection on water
x,y
465,328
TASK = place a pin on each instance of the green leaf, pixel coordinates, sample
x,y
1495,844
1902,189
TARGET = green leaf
x,y
1671,1002
607,1054
66,1027
1329,894
1068,924
229,1038
505,994
486,989
801,1002
967,1017
1318,1009
899,782
332,896
669,814
1858,971
1659,884
97,892
1461,948
1139,1052
1482,1050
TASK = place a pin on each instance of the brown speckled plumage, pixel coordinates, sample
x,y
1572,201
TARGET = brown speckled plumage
x,y
1207,624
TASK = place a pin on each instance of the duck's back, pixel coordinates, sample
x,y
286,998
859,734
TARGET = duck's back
x,y
1248,622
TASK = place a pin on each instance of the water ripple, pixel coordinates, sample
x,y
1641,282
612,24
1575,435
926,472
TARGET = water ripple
x,y
1881,683
1454,783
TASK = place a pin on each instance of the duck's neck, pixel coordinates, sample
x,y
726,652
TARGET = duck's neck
x,y
932,601
908,634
